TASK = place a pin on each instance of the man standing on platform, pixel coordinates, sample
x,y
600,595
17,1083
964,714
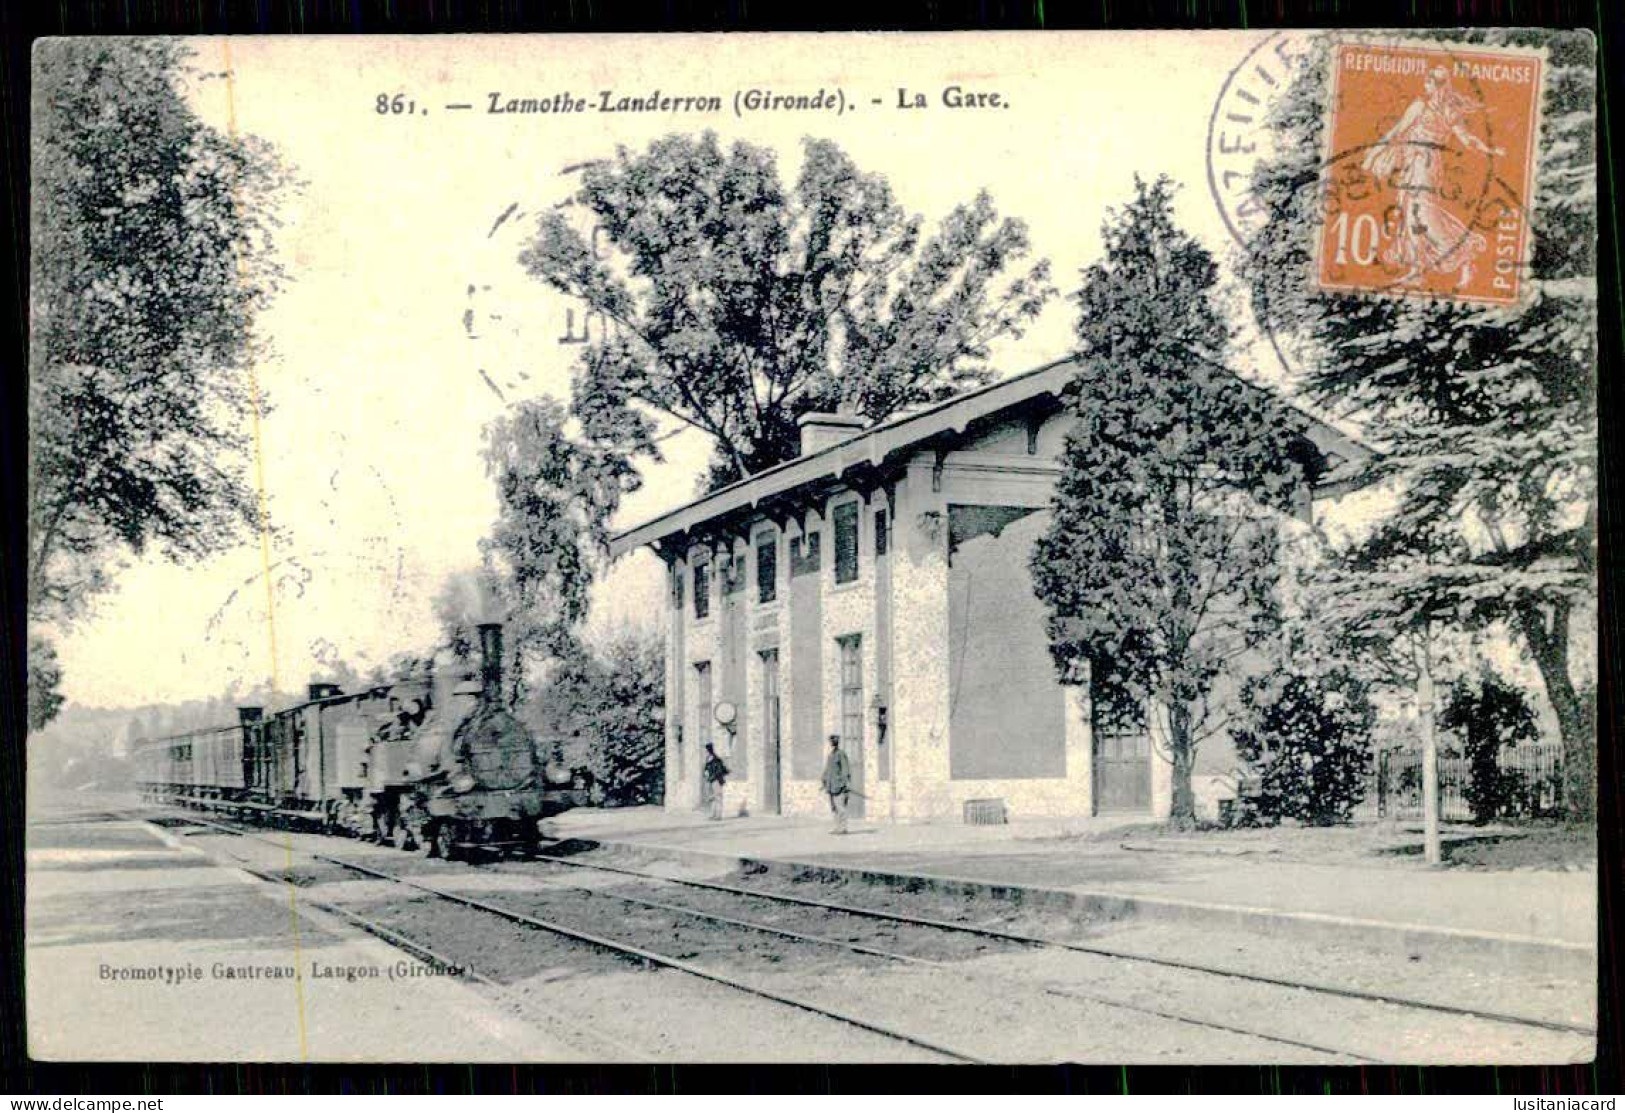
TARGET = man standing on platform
x,y
716,775
837,782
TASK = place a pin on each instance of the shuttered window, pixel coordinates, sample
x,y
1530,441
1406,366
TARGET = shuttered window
x,y
767,569
804,552
846,543
702,590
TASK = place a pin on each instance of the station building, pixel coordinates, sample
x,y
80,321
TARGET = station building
x,y
877,587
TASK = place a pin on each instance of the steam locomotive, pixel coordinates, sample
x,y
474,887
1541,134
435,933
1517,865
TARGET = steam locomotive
x,y
437,763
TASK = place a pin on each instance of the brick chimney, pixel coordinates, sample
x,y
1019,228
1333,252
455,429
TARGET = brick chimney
x,y
820,430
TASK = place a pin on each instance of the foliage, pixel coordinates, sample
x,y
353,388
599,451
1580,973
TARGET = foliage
x,y
1159,566
555,494
1487,714
1484,416
605,709
151,257
737,305
464,600
1307,735
44,682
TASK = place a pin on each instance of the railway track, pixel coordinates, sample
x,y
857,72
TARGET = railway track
x,y
1037,941
587,1038
1003,984
593,939
996,983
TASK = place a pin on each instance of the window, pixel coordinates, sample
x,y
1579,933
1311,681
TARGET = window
x,y
882,533
851,649
804,554
702,590
730,572
767,568
846,542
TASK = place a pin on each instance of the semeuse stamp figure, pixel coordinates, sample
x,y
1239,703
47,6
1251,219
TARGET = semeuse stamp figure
x,y
1428,181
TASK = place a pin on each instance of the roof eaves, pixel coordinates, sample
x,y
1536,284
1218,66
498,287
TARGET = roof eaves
x,y
882,441
950,415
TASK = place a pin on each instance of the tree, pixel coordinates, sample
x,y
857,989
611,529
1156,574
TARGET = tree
x,y
44,680
736,305
630,720
1484,417
1487,715
556,492
1159,566
151,258
1308,736
465,600
605,707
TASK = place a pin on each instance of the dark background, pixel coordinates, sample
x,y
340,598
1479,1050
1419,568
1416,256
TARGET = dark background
x,y
20,27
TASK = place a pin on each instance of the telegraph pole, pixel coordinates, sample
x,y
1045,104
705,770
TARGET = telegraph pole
x,y
1430,748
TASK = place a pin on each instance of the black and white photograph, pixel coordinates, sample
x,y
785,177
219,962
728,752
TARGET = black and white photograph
x,y
783,548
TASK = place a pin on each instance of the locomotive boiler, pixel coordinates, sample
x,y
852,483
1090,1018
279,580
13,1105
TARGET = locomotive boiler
x,y
478,778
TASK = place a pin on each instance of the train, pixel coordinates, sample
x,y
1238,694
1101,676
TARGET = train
x,y
437,763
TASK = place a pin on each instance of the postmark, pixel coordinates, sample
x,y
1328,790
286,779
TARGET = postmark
x,y
1238,131
1429,171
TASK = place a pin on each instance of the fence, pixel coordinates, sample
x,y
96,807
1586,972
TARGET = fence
x,y
1531,784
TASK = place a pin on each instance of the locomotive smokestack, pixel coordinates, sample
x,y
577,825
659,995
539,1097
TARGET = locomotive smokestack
x,y
491,663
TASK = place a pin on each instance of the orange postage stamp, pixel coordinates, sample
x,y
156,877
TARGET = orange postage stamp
x,y
1429,172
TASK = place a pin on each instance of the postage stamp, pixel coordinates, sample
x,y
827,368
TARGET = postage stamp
x,y
1430,171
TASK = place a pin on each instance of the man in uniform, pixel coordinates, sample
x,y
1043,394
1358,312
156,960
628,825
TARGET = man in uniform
x,y
837,782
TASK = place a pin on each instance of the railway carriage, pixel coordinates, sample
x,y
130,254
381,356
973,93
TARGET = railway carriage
x,y
193,767
217,764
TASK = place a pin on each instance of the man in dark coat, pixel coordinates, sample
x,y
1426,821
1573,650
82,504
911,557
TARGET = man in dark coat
x,y
716,775
837,782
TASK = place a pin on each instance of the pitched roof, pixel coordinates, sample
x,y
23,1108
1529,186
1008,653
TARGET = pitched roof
x,y
879,443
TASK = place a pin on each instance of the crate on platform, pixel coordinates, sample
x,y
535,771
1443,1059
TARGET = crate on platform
x,y
986,812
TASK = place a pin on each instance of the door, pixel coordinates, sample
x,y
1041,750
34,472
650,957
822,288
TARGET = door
x,y
851,652
1122,754
770,732
706,711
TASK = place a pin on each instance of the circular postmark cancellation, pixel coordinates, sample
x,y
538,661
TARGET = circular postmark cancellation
x,y
508,312
1238,133
1426,171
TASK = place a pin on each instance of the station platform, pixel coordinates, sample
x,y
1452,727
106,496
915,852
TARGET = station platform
x,y
139,949
1118,868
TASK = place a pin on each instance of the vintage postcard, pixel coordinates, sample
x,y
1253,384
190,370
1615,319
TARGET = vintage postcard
x,y
832,548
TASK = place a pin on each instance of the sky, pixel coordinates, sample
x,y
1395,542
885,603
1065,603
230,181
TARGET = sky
x,y
406,323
